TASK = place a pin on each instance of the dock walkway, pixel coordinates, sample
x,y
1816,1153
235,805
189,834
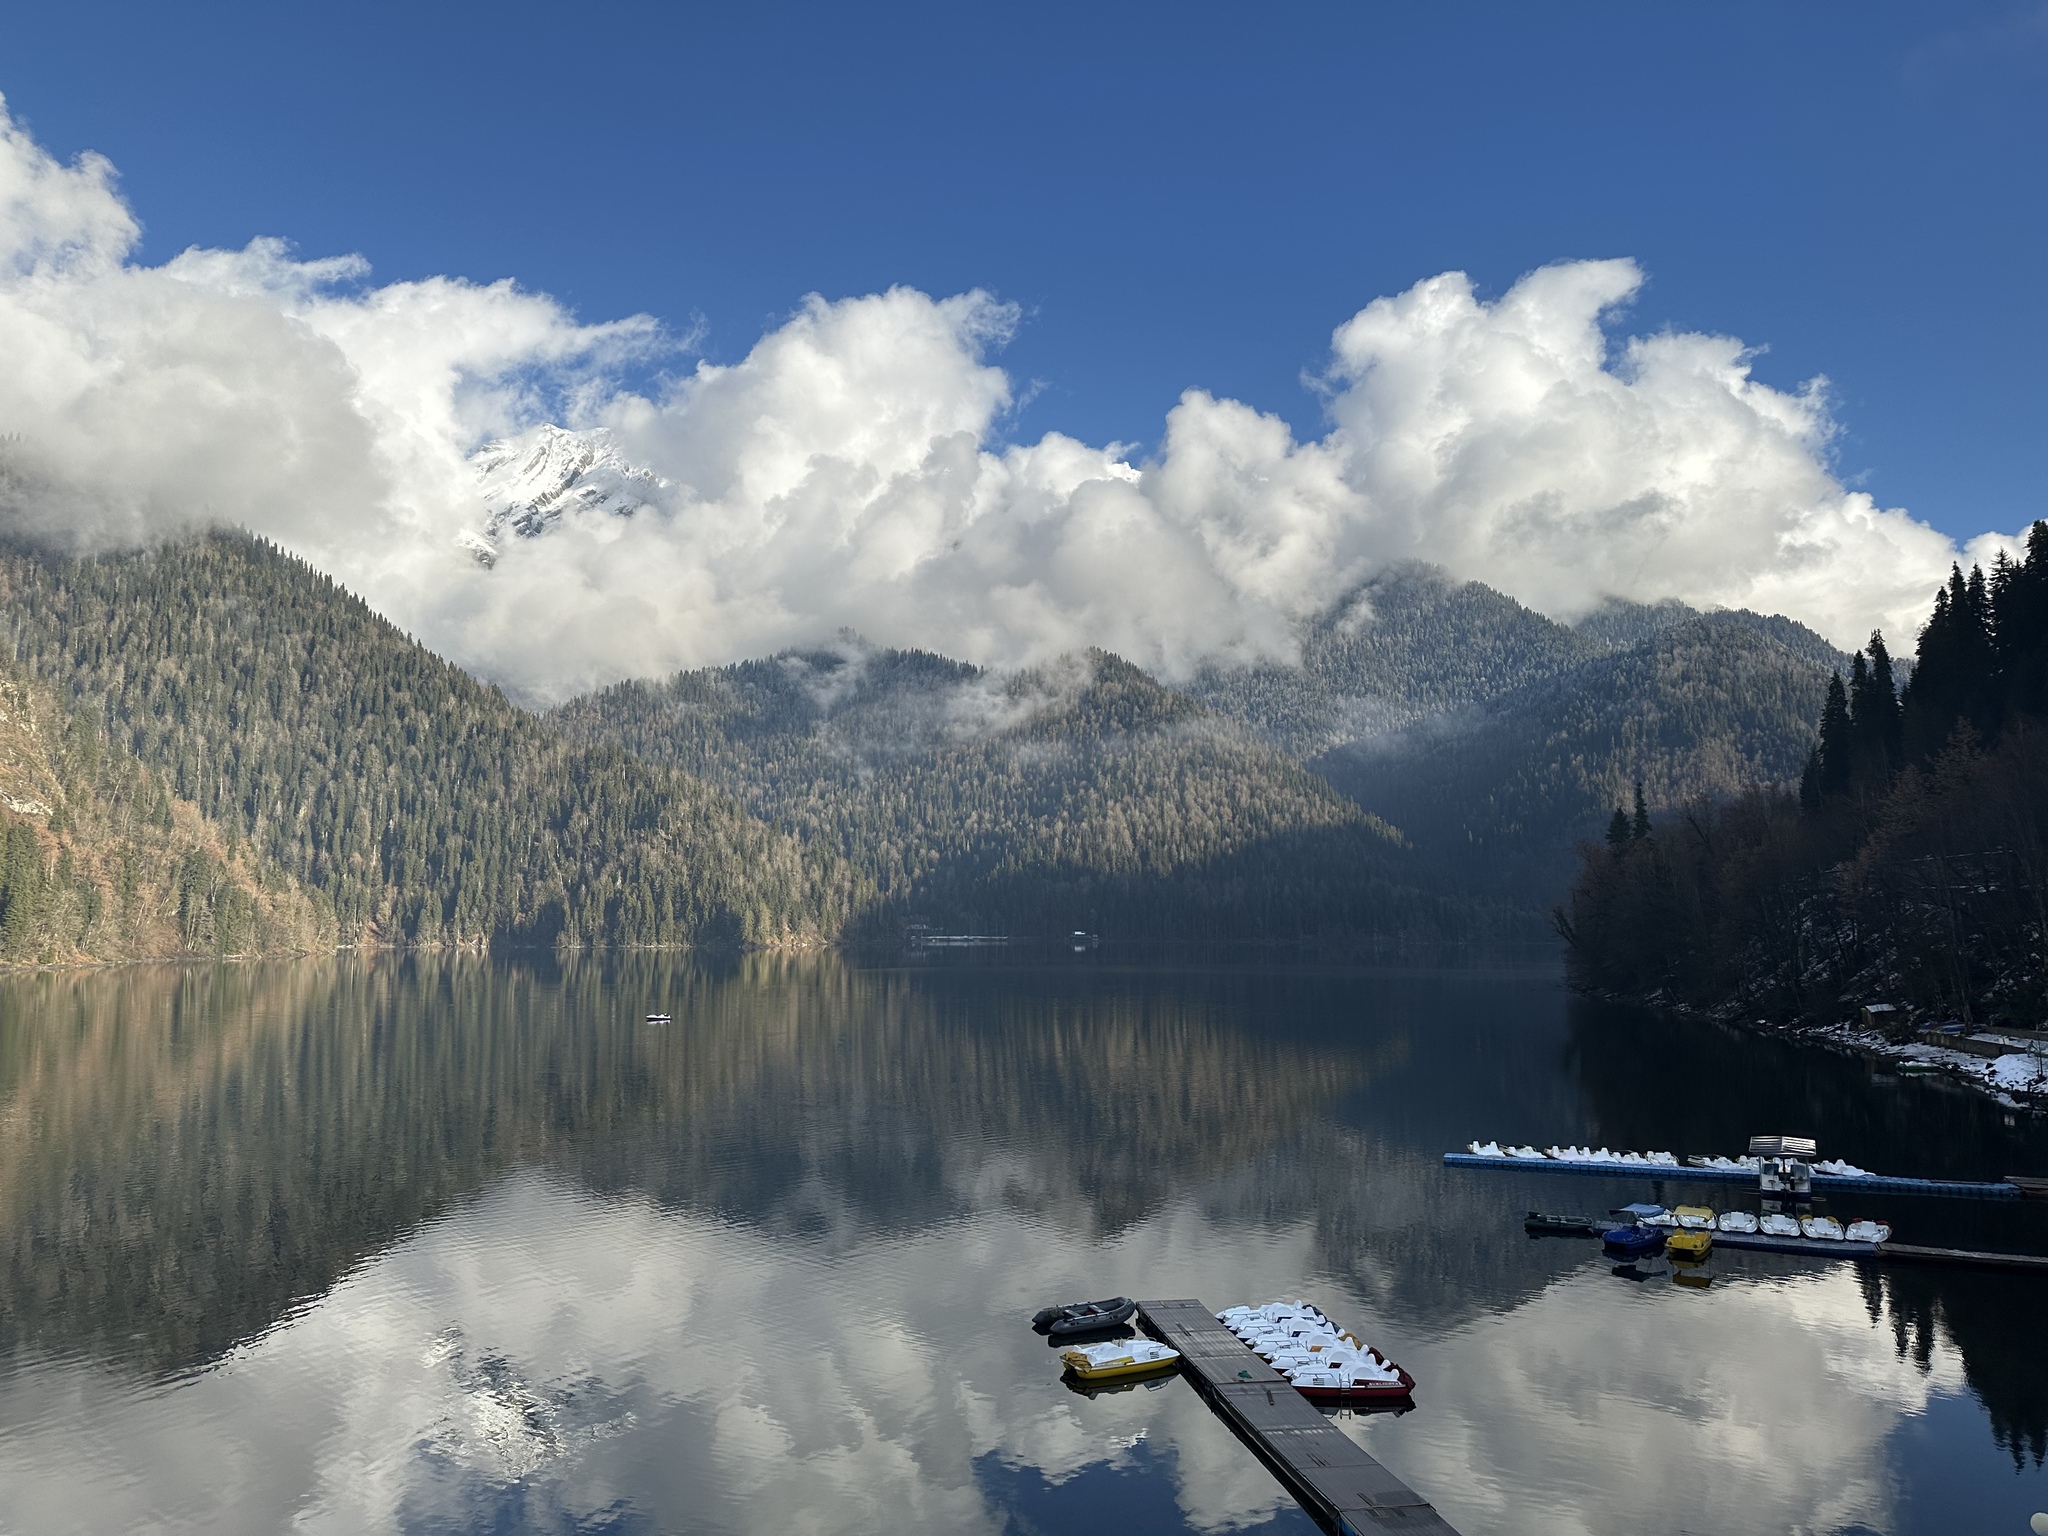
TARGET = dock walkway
x,y
1876,1184
1966,1258
1325,1469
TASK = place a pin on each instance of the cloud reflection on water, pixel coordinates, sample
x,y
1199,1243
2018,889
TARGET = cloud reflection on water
x,y
1764,1404
619,1364
688,1371
428,1247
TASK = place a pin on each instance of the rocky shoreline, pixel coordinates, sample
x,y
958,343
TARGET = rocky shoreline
x,y
2017,1079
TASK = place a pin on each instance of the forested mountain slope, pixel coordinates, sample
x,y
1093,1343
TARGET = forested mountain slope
x,y
1911,867
99,862
348,786
1497,738
1493,737
1504,792
1078,795
413,802
1409,644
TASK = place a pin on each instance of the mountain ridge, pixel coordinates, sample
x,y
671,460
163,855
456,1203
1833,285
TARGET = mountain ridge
x,y
1427,770
1505,790
529,483
1082,792
417,801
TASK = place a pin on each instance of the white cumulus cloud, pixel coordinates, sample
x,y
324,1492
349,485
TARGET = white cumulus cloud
x,y
852,469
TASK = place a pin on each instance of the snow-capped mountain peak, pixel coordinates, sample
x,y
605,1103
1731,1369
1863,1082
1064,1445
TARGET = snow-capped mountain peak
x,y
530,482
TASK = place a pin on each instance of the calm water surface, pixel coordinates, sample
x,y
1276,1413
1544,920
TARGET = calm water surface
x,y
466,1246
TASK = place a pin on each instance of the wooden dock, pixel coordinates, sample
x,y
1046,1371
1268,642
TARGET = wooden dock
x,y
1343,1488
1964,1258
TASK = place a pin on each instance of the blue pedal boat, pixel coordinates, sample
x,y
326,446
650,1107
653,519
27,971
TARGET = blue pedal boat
x,y
1633,1242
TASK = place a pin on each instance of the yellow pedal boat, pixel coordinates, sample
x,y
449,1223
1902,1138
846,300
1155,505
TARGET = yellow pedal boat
x,y
1119,1359
1689,1243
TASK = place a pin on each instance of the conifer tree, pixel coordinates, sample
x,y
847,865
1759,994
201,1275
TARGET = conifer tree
x,y
1954,672
1837,742
1883,705
1859,706
1641,827
1618,830
1873,718
2019,603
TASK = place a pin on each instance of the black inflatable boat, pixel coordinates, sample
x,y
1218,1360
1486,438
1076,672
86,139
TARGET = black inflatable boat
x,y
1084,1316
1563,1226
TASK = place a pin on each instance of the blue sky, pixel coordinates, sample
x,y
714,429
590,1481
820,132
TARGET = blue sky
x,y
1177,196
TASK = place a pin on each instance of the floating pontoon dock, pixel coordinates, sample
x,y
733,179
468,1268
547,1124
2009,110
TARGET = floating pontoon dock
x,y
1880,1184
1813,1247
1345,1490
1966,1258
1834,1248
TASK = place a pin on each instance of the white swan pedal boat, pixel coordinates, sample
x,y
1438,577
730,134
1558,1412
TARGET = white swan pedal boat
x,y
1825,1229
1323,1362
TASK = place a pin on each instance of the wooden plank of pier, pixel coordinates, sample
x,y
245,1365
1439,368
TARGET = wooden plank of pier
x,y
1907,1253
1324,1468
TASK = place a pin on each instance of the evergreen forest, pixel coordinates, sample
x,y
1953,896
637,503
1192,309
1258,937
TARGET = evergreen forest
x,y
332,757
214,749
1498,739
1078,796
1909,864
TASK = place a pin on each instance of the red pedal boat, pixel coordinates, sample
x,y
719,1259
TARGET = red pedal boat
x,y
1337,1385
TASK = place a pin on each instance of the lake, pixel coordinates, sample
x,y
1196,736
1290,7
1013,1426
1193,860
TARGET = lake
x,y
454,1244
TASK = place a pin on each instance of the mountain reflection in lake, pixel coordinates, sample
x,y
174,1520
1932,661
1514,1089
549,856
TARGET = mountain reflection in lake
x,y
454,1245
